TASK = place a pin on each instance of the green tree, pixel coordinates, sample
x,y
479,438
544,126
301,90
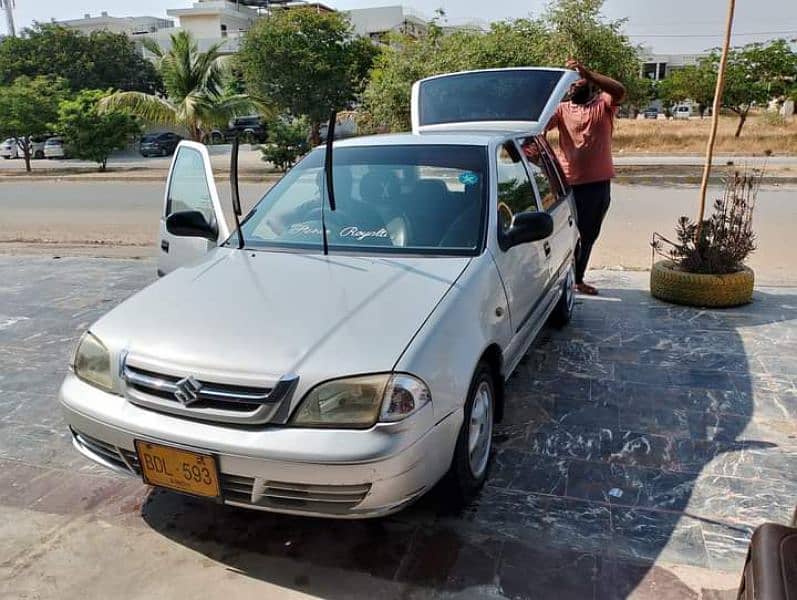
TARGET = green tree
x,y
27,109
507,44
577,29
756,73
91,134
100,60
287,141
569,28
305,62
195,97
692,82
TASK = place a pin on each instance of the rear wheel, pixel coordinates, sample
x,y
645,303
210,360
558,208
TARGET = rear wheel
x,y
563,311
38,154
472,455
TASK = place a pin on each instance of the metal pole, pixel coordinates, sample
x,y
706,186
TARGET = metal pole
x,y
9,8
715,116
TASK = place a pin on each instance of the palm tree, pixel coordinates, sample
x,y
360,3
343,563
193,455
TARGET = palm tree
x,y
195,99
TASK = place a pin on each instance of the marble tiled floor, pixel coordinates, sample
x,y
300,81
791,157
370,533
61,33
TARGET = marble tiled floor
x,y
641,442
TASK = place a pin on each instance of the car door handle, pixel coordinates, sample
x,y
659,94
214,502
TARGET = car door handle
x,y
547,247
165,246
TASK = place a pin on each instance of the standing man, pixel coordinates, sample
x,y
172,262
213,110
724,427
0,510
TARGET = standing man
x,y
585,122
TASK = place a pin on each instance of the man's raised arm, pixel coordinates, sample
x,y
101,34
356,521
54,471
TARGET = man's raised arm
x,y
611,86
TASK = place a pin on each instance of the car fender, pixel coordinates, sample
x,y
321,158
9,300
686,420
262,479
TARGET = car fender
x,y
470,318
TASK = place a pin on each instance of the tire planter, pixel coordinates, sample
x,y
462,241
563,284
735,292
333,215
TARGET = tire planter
x,y
698,289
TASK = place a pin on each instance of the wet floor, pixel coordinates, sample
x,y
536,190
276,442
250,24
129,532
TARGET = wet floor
x,y
640,447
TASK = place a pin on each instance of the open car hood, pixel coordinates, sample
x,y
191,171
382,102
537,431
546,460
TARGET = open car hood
x,y
517,99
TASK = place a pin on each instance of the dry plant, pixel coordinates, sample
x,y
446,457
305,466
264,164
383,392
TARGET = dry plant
x,y
726,238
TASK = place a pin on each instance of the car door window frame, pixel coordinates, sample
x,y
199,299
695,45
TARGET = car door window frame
x,y
516,148
554,164
548,169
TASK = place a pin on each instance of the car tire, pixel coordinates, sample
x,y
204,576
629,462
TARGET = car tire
x,y
38,154
473,452
563,311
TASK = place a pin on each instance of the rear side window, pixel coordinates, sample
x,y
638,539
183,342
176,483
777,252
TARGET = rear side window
x,y
515,194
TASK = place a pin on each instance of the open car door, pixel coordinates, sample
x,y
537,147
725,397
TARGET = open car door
x,y
517,99
189,187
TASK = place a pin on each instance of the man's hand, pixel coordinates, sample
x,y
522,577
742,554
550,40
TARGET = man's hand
x,y
575,65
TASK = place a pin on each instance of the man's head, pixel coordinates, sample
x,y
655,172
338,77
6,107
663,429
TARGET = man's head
x,y
581,91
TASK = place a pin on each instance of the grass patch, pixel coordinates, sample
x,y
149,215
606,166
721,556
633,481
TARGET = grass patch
x,y
761,135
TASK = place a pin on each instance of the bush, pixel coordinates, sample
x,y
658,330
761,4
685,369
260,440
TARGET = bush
x,y
287,141
725,240
91,134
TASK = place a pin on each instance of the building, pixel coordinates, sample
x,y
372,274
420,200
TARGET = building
x,y
658,66
374,23
132,26
226,21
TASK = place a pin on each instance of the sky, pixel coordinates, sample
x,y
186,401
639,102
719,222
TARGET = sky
x,y
668,26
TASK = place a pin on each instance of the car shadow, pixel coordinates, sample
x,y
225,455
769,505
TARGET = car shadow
x,y
641,436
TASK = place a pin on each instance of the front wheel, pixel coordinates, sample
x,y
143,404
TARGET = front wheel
x,y
472,455
563,311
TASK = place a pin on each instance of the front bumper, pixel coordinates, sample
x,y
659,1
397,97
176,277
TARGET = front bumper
x,y
315,472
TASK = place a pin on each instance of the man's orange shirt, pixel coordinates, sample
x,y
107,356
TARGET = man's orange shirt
x,y
585,139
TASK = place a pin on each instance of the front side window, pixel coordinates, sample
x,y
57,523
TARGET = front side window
x,y
413,199
515,194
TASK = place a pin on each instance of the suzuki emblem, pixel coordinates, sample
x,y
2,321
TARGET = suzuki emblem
x,y
187,391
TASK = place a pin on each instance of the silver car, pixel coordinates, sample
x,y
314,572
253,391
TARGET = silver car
x,y
347,384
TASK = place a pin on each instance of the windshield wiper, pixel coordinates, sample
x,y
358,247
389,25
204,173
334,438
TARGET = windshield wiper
x,y
329,179
236,199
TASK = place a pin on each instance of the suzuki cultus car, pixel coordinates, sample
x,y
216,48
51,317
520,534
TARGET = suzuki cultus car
x,y
339,360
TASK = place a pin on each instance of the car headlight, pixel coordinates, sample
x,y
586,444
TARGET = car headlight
x,y
92,362
359,402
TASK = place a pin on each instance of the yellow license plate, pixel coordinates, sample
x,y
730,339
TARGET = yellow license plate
x,y
177,469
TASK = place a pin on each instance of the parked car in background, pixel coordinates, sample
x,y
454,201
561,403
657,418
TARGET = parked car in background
x,y
250,129
682,111
159,144
11,149
345,127
54,148
651,113
365,350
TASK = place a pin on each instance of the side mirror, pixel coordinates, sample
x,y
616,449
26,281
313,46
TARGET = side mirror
x,y
191,223
529,227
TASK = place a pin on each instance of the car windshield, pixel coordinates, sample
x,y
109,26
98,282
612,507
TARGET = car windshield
x,y
408,199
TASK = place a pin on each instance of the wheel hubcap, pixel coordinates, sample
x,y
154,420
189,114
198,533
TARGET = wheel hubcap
x,y
480,429
570,296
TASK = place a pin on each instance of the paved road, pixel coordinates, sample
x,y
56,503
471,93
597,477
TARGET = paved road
x,y
119,219
639,448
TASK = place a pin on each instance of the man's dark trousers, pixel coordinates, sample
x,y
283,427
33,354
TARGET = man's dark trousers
x,y
592,202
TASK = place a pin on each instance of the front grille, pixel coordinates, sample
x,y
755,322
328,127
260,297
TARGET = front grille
x,y
237,488
116,458
203,399
210,395
326,499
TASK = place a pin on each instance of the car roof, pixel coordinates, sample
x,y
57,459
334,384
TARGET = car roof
x,y
458,138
